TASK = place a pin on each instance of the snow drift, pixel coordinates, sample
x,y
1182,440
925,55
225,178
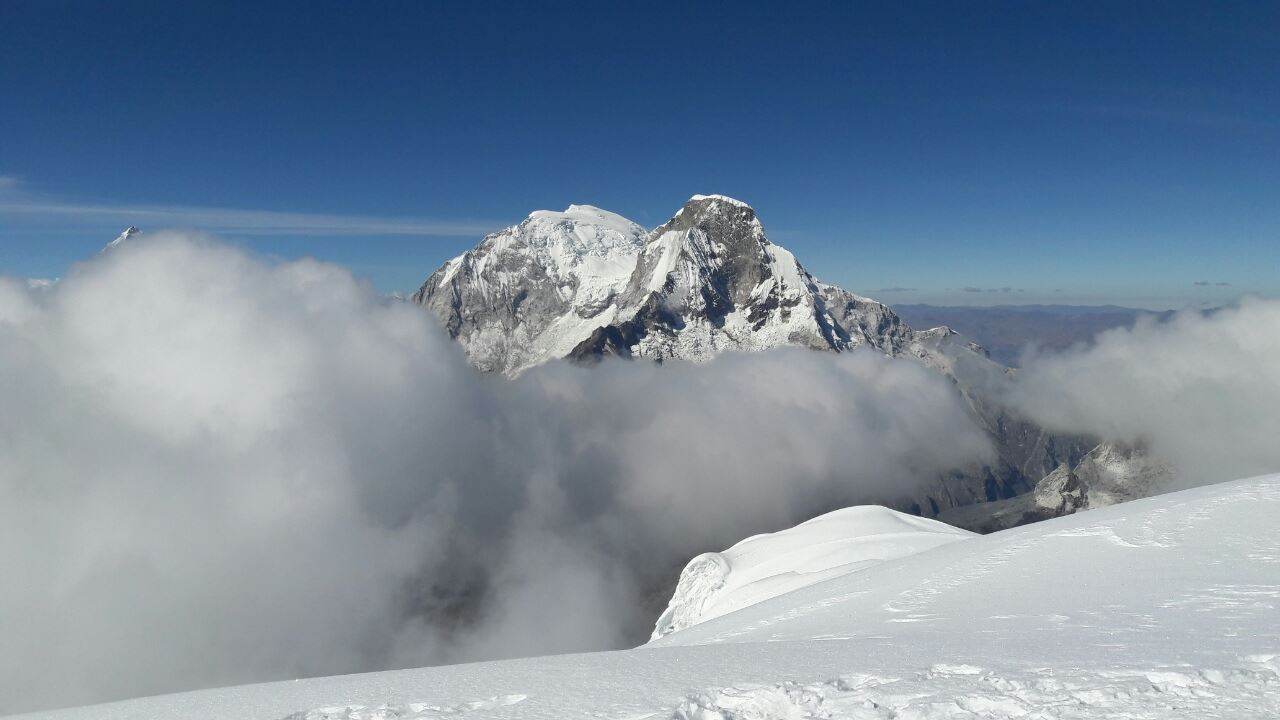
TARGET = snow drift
x,y
765,566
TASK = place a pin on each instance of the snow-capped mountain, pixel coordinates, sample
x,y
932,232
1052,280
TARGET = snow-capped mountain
x,y
585,283
535,291
122,237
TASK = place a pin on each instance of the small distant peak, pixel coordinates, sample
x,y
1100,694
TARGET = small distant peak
x,y
128,233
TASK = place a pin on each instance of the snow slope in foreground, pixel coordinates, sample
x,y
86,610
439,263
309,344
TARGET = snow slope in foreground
x,y
1161,608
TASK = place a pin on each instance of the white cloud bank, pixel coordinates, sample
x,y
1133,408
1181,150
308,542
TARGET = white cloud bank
x,y
215,469
1201,390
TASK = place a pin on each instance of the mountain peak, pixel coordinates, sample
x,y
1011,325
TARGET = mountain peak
x,y
128,233
721,217
608,224
718,199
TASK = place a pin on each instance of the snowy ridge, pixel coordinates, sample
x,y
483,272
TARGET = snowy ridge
x,y
765,566
1160,608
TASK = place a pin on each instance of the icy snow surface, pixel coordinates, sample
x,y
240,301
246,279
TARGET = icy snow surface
x,y
1167,607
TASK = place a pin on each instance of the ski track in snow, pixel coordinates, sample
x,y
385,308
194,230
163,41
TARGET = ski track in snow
x,y
913,601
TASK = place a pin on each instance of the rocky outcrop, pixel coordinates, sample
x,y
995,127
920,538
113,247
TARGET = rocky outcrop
x,y
1106,475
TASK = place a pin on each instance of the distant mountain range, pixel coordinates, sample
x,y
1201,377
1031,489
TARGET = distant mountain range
x,y
1006,331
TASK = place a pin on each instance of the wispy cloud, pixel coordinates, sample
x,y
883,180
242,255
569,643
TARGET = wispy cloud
x,y
15,203
897,289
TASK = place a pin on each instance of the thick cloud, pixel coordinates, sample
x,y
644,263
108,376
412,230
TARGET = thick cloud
x,y
216,469
1201,390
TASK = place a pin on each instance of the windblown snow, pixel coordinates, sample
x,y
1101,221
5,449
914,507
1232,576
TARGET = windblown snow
x,y
1159,608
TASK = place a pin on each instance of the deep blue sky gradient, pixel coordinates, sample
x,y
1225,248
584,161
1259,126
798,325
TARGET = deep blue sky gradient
x,y
1080,152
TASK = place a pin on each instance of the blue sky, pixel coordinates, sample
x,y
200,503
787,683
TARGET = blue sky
x,y
1079,152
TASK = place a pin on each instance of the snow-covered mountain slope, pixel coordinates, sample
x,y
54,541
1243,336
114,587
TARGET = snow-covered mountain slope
x,y
586,282
535,291
1160,608
765,566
